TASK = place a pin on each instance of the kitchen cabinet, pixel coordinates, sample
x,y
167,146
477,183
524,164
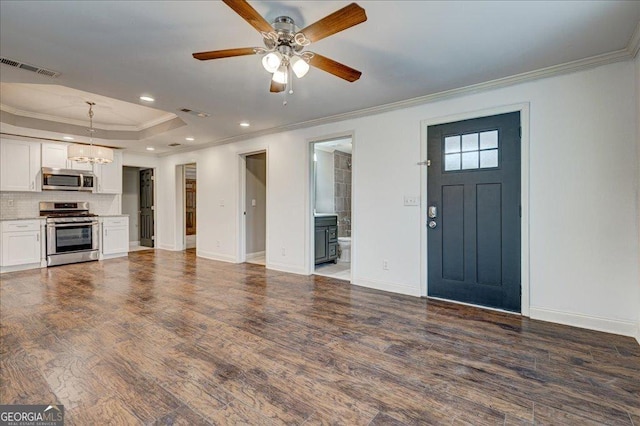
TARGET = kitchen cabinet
x,y
20,166
110,175
326,239
115,236
21,244
54,155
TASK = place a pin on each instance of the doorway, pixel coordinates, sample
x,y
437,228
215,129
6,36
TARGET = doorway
x,y
190,219
137,203
147,236
255,207
474,211
332,188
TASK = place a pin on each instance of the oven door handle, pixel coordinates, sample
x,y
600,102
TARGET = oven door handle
x,y
67,225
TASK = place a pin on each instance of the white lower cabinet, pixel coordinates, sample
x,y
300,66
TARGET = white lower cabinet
x,y
21,245
115,236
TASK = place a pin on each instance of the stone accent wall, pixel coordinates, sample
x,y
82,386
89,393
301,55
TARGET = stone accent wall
x,y
342,171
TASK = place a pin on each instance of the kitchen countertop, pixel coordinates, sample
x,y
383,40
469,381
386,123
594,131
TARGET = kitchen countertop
x,y
113,215
325,214
7,219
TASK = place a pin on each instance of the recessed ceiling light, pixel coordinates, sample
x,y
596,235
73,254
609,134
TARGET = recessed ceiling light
x,y
68,138
189,139
147,98
245,124
150,148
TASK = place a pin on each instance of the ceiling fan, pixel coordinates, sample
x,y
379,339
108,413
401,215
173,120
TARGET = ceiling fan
x,y
284,44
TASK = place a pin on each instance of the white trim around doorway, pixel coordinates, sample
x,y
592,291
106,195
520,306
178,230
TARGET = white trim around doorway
x,y
523,108
241,225
310,201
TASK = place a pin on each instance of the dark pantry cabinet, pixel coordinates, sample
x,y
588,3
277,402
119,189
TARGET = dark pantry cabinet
x,y
326,239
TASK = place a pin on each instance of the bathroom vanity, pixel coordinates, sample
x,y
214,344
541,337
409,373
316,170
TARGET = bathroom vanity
x,y
326,238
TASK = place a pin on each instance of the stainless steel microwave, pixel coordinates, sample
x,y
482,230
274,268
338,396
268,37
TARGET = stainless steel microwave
x,y
67,180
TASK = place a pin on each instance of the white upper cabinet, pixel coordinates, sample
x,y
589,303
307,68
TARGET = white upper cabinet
x,y
20,166
110,175
54,155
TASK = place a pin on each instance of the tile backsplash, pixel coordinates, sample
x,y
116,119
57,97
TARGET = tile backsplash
x,y
26,204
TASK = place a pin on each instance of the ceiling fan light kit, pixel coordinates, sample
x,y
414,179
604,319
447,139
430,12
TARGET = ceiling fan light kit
x,y
284,44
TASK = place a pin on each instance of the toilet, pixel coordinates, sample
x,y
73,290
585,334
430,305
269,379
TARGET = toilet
x,y
345,249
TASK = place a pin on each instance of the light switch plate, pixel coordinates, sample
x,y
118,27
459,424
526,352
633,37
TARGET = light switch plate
x,y
411,201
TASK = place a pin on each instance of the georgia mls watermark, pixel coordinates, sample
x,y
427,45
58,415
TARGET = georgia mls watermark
x,y
31,415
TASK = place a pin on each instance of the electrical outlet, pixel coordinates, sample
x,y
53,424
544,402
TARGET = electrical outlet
x,y
284,252
217,243
9,203
411,201
221,203
385,265
253,202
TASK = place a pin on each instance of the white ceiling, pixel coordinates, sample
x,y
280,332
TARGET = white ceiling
x,y
406,49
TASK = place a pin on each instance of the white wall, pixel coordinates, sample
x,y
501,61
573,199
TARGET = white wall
x,y
325,185
583,185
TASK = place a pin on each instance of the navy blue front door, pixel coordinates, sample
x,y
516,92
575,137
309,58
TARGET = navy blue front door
x,y
474,208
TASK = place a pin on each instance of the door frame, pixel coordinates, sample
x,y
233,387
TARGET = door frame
x,y
311,200
241,255
523,108
155,198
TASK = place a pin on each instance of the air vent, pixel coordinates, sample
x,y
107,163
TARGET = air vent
x,y
175,144
27,67
196,113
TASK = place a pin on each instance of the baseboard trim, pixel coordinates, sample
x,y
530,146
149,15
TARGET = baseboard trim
x,y
624,328
166,247
134,243
638,333
216,256
387,286
113,256
25,267
283,267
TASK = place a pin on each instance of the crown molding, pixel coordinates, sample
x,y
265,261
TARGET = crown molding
x,y
555,70
114,127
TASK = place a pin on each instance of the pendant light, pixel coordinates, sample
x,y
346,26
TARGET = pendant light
x,y
83,153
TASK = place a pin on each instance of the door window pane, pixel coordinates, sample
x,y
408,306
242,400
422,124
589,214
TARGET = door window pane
x,y
451,162
489,158
470,160
489,140
452,144
469,143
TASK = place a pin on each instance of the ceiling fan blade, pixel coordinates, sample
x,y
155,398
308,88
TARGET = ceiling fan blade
x,y
335,68
249,14
277,87
338,21
227,53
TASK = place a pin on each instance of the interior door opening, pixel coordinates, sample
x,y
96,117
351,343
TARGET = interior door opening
x,y
138,204
255,208
190,190
331,196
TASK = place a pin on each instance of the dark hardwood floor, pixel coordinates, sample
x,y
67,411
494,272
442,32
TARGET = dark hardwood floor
x,y
167,338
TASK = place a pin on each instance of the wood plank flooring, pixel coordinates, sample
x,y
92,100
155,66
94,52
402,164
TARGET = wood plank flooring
x,y
168,338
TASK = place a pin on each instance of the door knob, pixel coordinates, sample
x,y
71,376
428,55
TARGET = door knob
x,y
432,224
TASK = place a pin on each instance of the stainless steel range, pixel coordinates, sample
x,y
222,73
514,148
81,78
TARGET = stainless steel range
x,y
72,232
